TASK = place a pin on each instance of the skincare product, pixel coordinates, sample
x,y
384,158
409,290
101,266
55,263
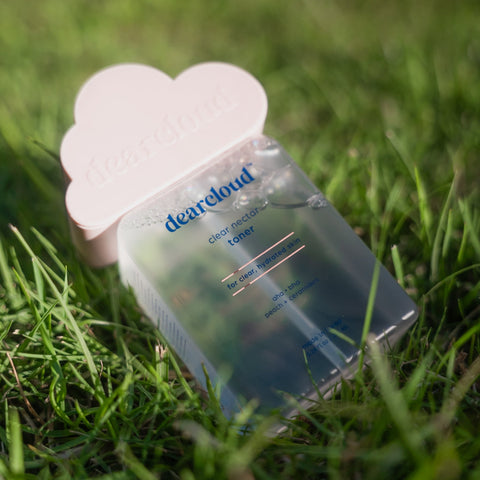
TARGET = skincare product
x,y
248,271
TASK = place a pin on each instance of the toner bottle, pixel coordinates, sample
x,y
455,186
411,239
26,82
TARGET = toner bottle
x,y
244,266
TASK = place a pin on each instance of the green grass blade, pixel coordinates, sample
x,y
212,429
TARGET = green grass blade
x,y
15,447
442,231
368,315
8,282
472,226
426,217
397,265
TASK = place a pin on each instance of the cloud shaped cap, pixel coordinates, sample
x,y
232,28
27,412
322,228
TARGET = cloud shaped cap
x,y
137,131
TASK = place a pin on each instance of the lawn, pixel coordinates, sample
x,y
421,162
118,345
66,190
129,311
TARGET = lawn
x,y
379,103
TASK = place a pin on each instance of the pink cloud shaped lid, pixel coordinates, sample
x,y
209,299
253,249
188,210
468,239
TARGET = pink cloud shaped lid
x,y
137,131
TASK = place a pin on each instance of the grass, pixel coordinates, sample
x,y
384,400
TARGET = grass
x,y
379,103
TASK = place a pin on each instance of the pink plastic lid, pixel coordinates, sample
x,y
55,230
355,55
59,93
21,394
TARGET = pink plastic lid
x,y
137,131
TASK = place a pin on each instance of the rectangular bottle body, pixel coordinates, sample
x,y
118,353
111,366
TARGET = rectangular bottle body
x,y
248,270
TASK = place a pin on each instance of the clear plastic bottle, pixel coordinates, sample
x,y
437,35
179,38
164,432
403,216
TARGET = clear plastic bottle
x,y
233,253
247,269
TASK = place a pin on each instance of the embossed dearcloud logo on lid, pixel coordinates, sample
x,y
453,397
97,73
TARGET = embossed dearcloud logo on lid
x,y
137,131
168,131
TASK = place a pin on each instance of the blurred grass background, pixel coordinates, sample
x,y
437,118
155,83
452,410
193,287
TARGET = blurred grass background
x,y
379,103
339,76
